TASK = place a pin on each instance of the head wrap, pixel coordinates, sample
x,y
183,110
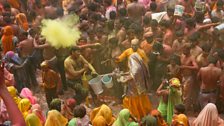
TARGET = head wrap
x,y
55,118
103,111
174,82
208,116
27,93
22,21
13,92
7,39
32,120
24,107
123,119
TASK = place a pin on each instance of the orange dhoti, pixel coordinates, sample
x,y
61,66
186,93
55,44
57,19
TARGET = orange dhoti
x,y
139,106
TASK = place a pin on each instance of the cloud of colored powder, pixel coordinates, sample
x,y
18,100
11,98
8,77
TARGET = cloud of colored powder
x,y
61,33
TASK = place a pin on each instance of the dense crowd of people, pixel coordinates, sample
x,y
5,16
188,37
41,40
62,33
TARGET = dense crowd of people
x,y
168,50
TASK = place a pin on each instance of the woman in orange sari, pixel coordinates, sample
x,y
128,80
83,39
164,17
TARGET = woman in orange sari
x,y
22,21
7,39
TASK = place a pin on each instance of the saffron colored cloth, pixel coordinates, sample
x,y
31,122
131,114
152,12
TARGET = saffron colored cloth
x,y
99,121
127,53
123,119
55,118
38,111
103,111
139,106
32,120
14,3
182,120
208,117
7,39
50,79
22,21
24,107
27,93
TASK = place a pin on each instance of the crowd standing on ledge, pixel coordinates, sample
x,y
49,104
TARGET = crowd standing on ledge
x,y
164,59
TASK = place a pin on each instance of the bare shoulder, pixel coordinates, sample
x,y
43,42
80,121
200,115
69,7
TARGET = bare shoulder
x,y
202,69
219,70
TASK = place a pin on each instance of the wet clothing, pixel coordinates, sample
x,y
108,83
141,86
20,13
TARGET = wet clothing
x,y
206,97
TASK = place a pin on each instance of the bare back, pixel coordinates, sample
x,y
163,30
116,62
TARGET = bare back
x,y
136,10
26,47
209,76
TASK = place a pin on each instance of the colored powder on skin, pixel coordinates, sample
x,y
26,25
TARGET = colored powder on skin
x,y
61,33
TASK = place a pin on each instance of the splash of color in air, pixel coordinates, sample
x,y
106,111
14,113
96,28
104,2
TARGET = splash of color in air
x,y
61,33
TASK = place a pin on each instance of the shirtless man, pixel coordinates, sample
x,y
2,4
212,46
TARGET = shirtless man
x,y
136,11
202,59
195,49
190,27
41,43
178,43
209,77
26,48
188,68
120,31
168,35
75,66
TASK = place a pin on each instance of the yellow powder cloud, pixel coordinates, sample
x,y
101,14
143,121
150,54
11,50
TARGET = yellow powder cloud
x,y
61,32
